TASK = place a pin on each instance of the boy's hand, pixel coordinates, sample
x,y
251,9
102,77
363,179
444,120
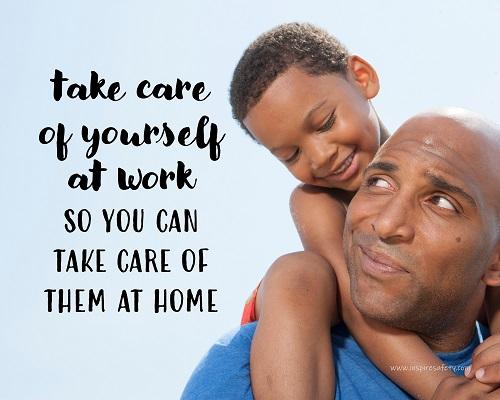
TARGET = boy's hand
x,y
460,388
485,365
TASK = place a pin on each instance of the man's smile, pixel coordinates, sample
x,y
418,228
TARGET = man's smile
x,y
379,264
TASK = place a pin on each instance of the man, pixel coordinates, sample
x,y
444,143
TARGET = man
x,y
422,243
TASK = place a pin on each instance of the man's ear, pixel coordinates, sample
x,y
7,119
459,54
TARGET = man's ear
x,y
363,75
491,276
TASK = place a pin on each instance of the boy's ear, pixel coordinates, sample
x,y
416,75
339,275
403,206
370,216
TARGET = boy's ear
x,y
491,276
363,75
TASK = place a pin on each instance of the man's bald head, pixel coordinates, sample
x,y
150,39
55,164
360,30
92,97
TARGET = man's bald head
x,y
421,234
467,139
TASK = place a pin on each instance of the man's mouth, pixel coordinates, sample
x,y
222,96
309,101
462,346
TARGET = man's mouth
x,y
378,264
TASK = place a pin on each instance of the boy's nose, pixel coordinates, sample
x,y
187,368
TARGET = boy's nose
x,y
321,157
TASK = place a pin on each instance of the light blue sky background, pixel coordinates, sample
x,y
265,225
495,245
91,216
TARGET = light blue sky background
x,y
427,53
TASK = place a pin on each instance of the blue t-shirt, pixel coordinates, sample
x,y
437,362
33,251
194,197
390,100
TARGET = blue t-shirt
x,y
224,373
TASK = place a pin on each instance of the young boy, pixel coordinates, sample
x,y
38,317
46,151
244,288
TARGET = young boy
x,y
298,92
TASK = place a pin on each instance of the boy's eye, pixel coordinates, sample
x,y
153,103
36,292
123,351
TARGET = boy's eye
x,y
378,182
443,202
329,123
292,158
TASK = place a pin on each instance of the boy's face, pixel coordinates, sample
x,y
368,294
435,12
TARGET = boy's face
x,y
321,127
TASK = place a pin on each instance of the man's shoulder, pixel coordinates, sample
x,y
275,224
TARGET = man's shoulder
x,y
359,378
241,336
224,372
234,345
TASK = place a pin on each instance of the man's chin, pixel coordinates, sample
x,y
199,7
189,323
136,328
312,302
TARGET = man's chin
x,y
369,309
377,306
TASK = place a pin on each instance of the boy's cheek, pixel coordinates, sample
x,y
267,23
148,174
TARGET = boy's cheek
x,y
301,173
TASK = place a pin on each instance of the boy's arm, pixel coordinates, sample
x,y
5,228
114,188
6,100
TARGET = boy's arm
x,y
319,218
492,303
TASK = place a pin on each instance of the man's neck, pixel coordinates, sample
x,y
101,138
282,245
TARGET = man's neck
x,y
457,326
452,340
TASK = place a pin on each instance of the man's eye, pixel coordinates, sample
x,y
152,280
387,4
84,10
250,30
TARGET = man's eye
x,y
443,202
378,182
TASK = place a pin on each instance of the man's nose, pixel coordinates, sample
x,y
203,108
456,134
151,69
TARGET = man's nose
x,y
394,222
321,155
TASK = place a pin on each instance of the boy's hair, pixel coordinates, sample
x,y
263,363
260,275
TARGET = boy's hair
x,y
294,44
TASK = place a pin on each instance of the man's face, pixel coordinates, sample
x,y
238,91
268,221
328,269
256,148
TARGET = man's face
x,y
321,127
421,230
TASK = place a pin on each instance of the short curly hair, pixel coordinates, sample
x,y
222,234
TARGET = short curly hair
x,y
300,44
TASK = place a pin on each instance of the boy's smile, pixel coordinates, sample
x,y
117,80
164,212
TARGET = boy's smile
x,y
322,127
